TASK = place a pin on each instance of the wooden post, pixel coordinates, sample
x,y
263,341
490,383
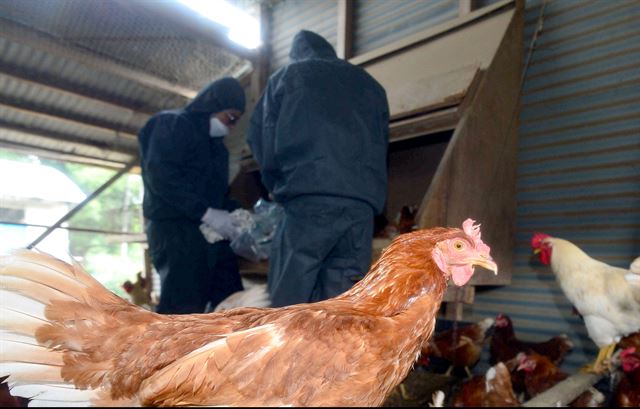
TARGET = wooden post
x,y
561,394
345,29
466,7
260,63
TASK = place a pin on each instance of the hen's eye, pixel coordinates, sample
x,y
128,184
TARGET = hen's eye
x,y
458,245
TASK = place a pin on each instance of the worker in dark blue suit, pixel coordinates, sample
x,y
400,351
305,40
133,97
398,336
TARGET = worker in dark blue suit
x,y
185,170
319,134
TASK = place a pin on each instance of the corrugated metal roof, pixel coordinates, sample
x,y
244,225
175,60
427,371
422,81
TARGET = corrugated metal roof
x,y
579,167
81,77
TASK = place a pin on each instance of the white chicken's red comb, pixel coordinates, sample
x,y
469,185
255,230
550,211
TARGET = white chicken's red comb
x,y
473,230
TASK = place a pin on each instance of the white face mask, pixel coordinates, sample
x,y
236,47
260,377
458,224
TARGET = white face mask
x,y
217,129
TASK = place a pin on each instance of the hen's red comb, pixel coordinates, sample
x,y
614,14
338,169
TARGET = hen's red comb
x,y
473,231
536,240
630,360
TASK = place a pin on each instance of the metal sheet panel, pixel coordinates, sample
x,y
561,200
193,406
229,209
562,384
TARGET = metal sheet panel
x,y
380,22
579,156
287,17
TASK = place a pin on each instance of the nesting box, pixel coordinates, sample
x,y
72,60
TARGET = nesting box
x,y
453,95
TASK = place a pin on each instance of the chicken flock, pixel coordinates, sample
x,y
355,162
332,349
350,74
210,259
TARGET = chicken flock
x,y
66,340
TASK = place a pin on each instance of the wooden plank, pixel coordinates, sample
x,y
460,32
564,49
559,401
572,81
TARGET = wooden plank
x,y
439,72
437,121
464,294
563,393
424,95
59,137
477,175
56,154
344,47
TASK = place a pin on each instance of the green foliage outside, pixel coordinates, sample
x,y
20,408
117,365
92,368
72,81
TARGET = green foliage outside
x,y
118,209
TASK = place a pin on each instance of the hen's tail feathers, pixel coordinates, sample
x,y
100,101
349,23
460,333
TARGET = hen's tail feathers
x,y
256,296
41,301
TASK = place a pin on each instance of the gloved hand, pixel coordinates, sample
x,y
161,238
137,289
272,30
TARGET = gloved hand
x,y
221,222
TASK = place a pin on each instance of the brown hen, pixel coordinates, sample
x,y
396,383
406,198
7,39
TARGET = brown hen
x,y
627,393
69,340
540,373
460,346
505,346
492,389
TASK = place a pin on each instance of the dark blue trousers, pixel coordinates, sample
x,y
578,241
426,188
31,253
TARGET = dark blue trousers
x,y
321,247
193,272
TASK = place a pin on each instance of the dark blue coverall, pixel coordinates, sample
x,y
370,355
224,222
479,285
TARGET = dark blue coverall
x,y
185,171
320,134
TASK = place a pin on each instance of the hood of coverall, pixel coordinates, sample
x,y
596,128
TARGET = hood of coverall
x,y
225,93
307,44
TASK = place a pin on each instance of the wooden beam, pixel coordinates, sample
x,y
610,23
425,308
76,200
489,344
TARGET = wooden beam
x,y
48,116
64,137
61,156
563,393
89,198
132,115
78,229
345,29
68,86
441,120
21,34
260,74
62,114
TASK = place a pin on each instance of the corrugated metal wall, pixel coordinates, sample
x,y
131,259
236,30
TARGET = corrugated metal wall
x,y
376,22
579,158
287,17
380,22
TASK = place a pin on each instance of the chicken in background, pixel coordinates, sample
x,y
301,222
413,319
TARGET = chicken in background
x,y
9,401
630,341
540,373
607,297
139,292
492,389
505,346
437,400
68,340
591,398
406,219
461,346
627,393
255,295
404,222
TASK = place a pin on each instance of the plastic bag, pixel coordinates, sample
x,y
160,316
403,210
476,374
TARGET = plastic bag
x,y
244,222
254,243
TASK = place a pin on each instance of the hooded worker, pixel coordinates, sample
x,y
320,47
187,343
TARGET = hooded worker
x,y
319,134
185,170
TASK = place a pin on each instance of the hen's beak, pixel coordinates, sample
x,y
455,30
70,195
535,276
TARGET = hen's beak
x,y
537,250
486,262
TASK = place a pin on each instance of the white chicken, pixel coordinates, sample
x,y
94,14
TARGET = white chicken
x,y
607,297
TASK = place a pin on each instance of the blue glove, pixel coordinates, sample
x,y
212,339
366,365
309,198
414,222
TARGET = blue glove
x,y
221,222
